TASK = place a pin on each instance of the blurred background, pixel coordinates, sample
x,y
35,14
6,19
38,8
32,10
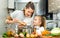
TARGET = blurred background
x,y
48,8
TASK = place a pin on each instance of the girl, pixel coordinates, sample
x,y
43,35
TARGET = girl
x,y
39,24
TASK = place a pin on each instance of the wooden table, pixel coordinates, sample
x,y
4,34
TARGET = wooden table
x,y
7,37
51,37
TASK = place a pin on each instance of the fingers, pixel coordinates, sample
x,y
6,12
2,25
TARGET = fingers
x,y
22,23
15,20
20,26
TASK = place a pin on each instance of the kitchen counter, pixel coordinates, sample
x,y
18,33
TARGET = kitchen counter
x,y
51,37
7,37
42,37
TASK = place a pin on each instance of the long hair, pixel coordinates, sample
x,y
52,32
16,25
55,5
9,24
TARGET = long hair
x,y
43,20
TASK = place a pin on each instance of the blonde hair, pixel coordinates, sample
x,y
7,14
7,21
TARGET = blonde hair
x,y
43,20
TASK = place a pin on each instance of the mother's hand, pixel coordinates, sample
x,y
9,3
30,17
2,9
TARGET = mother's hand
x,y
21,25
15,20
18,21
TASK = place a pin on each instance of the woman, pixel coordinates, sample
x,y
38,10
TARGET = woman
x,y
24,17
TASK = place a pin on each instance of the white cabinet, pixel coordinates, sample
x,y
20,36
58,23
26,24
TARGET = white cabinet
x,y
11,4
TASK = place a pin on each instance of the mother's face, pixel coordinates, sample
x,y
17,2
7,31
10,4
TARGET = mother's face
x,y
28,12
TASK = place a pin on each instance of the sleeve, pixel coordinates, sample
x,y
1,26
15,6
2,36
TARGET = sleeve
x,y
42,29
20,15
13,15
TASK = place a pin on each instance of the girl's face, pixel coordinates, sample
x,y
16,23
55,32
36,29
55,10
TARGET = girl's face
x,y
28,12
37,21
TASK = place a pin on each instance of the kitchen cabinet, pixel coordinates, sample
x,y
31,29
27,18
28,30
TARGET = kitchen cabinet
x,y
10,4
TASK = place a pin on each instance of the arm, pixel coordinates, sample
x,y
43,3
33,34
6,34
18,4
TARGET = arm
x,y
9,20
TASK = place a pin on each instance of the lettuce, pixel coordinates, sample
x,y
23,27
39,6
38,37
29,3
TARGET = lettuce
x,y
55,31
